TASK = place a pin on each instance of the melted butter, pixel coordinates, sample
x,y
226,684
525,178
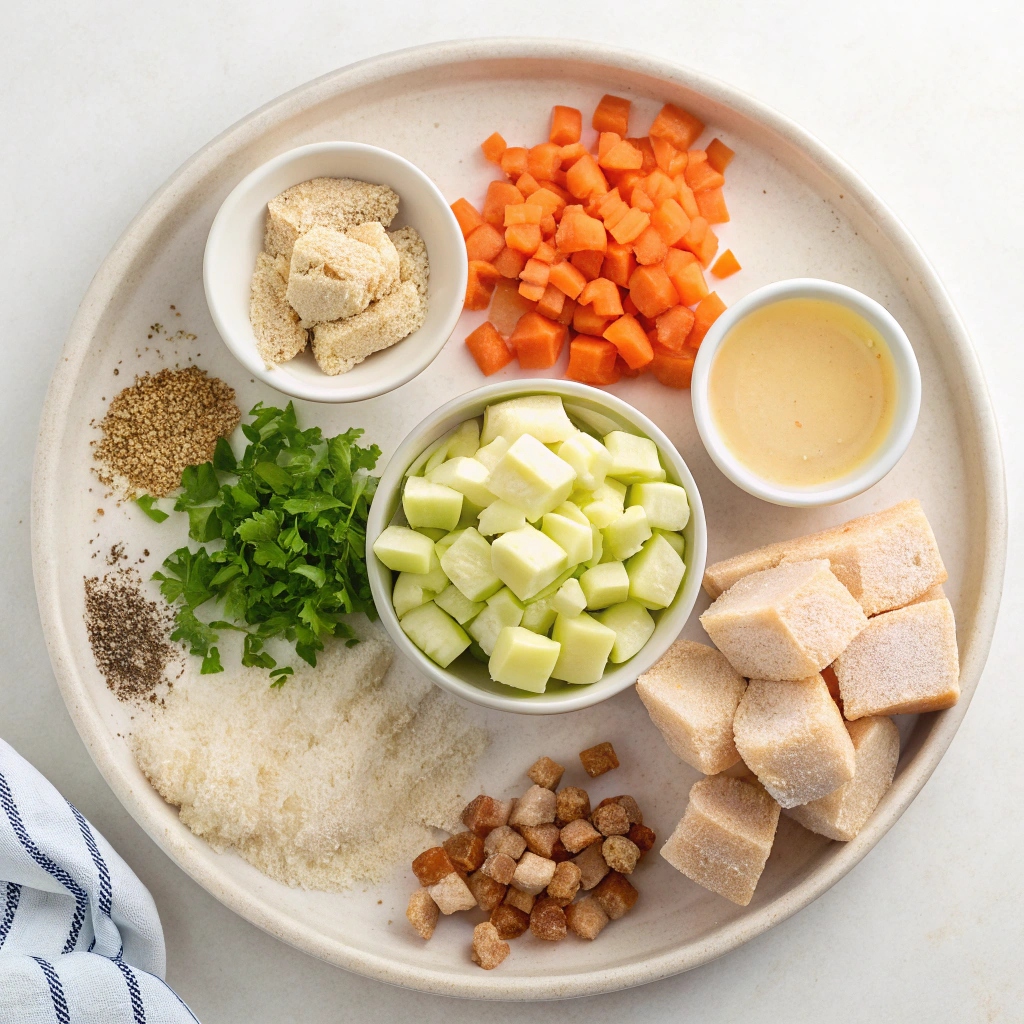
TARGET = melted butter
x,y
802,391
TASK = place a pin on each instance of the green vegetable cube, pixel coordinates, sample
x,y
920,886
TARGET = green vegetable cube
x,y
526,561
539,615
575,539
665,504
491,454
466,439
588,457
503,609
585,646
431,505
627,534
598,542
634,459
605,504
573,512
500,517
408,593
602,513
457,605
531,477
552,588
467,563
445,542
569,599
676,540
403,550
465,475
611,491
434,578
434,535
435,633
437,457
543,416
523,659
655,573
633,627
605,584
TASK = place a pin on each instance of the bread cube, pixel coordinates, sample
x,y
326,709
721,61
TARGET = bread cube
x,y
484,813
505,840
541,839
465,849
633,813
545,772
611,820
565,883
692,694
535,807
620,854
547,920
500,867
885,559
592,866
616,895
642,837
487,891
905,662
586,918
784,623
533,873
522,901
842,814
724,837
510,922
489,949
452,894
432,865
422,913
599,759
792,736
571,803
578,835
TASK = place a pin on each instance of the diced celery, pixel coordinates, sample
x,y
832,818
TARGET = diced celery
x,y
542,416
569,599
633,627
585,646
466,439
523,659
634,459
467,563
588,457
465,475
408,593
500,517
526,561
403,550
627,534
435,633
575,539
432,505
531,477
491,453
539,615
665,504
457,605
655,573
605,585
503,609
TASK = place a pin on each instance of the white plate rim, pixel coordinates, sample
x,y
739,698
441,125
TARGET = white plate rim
x,y
840,859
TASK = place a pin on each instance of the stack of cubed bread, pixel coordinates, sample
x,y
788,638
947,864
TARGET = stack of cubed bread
x,y
819,640
524,861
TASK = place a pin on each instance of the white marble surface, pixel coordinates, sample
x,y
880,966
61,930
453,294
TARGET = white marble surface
x,y
101,101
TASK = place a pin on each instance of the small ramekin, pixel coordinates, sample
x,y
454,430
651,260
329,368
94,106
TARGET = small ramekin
x,y
908,398
236,238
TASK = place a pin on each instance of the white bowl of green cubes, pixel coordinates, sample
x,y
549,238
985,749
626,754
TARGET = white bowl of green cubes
x,y
533,546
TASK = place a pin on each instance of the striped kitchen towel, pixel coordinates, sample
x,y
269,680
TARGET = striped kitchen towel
x,y
80,938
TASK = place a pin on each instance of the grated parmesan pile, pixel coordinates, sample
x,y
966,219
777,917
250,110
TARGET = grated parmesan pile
x,y
331,780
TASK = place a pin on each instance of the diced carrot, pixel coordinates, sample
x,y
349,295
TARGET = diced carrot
x,y
533,292
708,310
626,181
611,115
513,162
608,202
550,203
650,247
619,264
588,262
545,251
623,156
629,305
544,161
670,221
467,216
607,141
652,290
523,237
567,279
699,174
625,370
507,306
719,155
632,225
488,348
509,263
603,295
485,243
550,303
664,152
673,369
685,197
538,341
527,184
592,361
499,195
524,213
629,338
494,146
568,312
558,190
693,240
580,233
705,252
659,186
572,153
726,265
640,200
586,321
548,225
677,126
535,272
479,284
645,147
673,326
585,179
558,177
566,125
711,204
686,276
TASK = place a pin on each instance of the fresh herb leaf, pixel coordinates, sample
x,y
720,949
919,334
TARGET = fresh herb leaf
x,y
148,505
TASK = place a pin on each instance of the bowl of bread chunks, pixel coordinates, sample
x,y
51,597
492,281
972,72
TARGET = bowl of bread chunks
x,y
819,642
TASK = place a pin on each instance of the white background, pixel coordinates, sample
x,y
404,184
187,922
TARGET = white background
x,y
101,101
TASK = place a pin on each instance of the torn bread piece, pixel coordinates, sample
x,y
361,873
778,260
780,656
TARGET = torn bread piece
x,y
279,335
412,256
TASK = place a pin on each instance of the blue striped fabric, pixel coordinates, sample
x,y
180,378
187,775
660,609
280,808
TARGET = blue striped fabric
x,y
80,938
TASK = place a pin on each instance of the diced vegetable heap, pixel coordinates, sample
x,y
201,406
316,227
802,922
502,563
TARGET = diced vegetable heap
x,y
534,545
605,246
525,861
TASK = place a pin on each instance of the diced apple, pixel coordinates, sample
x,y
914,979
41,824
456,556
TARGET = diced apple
x,y
606,503
500,517
523,659
531,477
611,491
605,584
633,627
457,605
539,614
552,588
431,505
467,563
503,609
626,536
491,453
403,550
665,504
543,416
434,579
676,540
602,513
569,599
571,511
526,561
435,633
444,543
588,457
585,646
655,573
634,459
465,475
408,593
575,539
466,439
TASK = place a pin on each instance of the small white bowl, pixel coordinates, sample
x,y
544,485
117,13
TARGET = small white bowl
x,y
236,238
908,398
468,678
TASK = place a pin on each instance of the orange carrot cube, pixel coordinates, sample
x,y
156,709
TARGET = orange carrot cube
x,y
479,284
545,251
670,221
485,243
544,162
527,184
488,348
673,369
622,157
592,361
551,302
603,295
619,264
507,306
630,339
548,226
726,265
649,247
567,279
611,115
673,327
523,237
509,263
586,321
699,174
664,152
566,126
568,312
719,155
708,310
711,204
645,147
605,142
580,233
537,341
467,216
499,195
659,186
585,179
677,126
524,213
494,146
513,162
588,263
551,204
686,276
532,292
572,153
652,290
640,200
632,225
535,272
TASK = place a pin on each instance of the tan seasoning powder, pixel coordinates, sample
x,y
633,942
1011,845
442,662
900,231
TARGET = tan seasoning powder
x,y
161,424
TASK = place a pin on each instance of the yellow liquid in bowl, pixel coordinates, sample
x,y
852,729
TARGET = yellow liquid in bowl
x,y
803,391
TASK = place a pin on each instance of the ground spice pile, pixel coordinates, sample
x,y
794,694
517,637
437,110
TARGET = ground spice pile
x,y
161,424
129,634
